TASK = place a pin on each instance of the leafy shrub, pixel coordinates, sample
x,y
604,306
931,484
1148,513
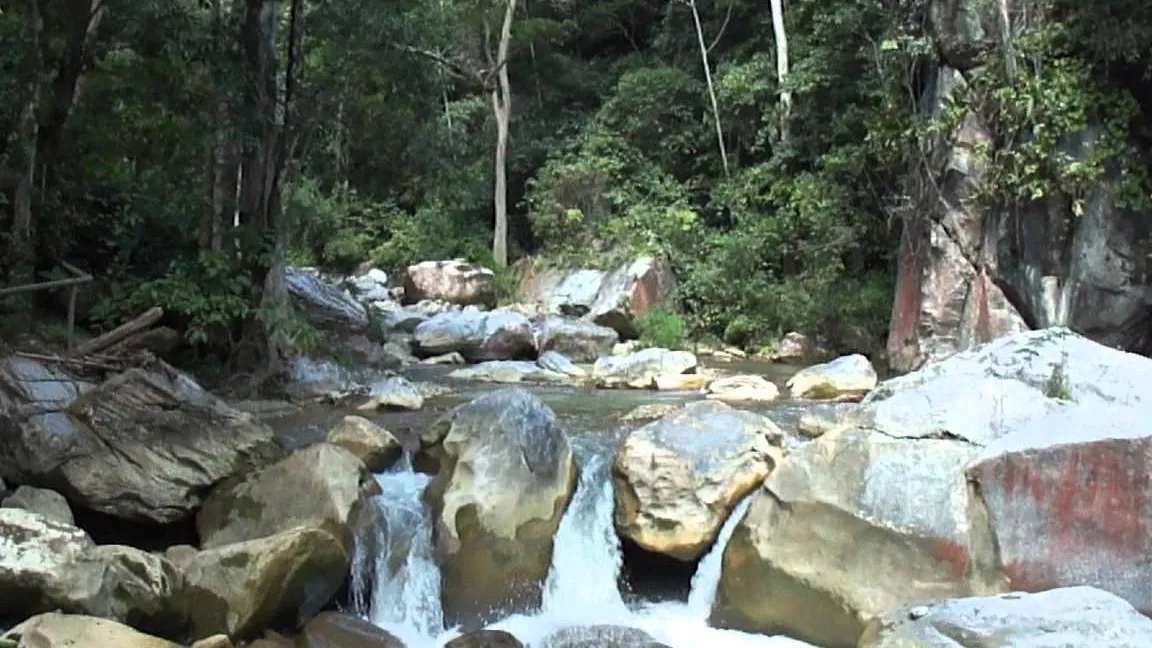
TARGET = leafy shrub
x,y
661,328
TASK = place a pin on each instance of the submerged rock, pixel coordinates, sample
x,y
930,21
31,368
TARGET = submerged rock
x,y
1072,616
456,282
336,630
580,340
55,630
485,639
318,486
849,376
144,445
638,370
677,479
366,441
506,474
477,336
50,504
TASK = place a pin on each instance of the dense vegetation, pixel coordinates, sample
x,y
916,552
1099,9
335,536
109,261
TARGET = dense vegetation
x,y
184,151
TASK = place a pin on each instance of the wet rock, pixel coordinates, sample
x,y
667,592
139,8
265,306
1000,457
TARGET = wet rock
x,y
506,473
737,389
48,565
54,630
323,304
318,486
509,372
395,393
1069,502
681,382
849,376
477,336
335,630
600,636
50,504
1072,616
485,639
239,589
638,370
891,518
144,445
677,479
366,441
579,340
611,298
793,347
553,361
649,411
456,282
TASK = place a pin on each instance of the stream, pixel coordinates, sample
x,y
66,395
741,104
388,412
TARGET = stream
x,y
397,587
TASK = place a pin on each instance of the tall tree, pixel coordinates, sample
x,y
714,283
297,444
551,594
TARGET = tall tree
x,y
502,111
781,34
711,87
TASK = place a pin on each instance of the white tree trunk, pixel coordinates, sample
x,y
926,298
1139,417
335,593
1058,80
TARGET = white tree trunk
x,y
502,110
782,68
711,88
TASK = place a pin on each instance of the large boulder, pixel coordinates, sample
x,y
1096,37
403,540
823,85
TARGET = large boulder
x,y
850,376
1068,498
48,565
847,527
1072,616
144,445
319,486
394,393
677,479
456,282
366,441
612,298
743,389
281,580
506,474
510,372
579,340
326,306
335,630
50,504
498,335
639,370
485,639
55,630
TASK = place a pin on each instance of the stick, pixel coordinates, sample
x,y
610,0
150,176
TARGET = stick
x,y
150,317
93,364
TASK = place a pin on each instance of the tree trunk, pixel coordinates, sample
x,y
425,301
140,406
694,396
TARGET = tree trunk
x,y
21,252
83,20
502,110
711,88
782,69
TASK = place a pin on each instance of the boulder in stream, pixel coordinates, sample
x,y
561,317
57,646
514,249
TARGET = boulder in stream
x,y
846,377
1070,616
394,393
553,361
600,636
336,630
325,305
579,340
55,630
366,441
506,474
485,639
736,389
455,281
639,370
510,372
678,478
144,445
477,336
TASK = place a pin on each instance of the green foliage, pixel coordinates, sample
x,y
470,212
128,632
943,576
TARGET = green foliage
x,y
661,328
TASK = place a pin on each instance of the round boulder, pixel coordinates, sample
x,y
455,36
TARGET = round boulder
x,y
365,440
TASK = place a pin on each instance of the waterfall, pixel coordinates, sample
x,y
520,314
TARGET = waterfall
x,y
707,578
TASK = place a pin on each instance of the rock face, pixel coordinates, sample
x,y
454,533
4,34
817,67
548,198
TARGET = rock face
x,y
677,479
455,282
325,306
638,370
477,336
240,589
1073,616
506,473
56,630
611,298
319,486
969,273
845,377
579,340
47,565
50,504
144,445
366,441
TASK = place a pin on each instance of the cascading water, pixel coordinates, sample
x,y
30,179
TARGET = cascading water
x,y
582,585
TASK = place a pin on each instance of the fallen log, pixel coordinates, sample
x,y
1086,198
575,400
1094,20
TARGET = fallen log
x,y
122,332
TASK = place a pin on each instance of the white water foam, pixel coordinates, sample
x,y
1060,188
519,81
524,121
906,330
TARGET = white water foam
x,y
582,585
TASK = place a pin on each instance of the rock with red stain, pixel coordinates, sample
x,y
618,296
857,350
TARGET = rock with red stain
x,y
848,527
1071,616
612,298
1068,498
